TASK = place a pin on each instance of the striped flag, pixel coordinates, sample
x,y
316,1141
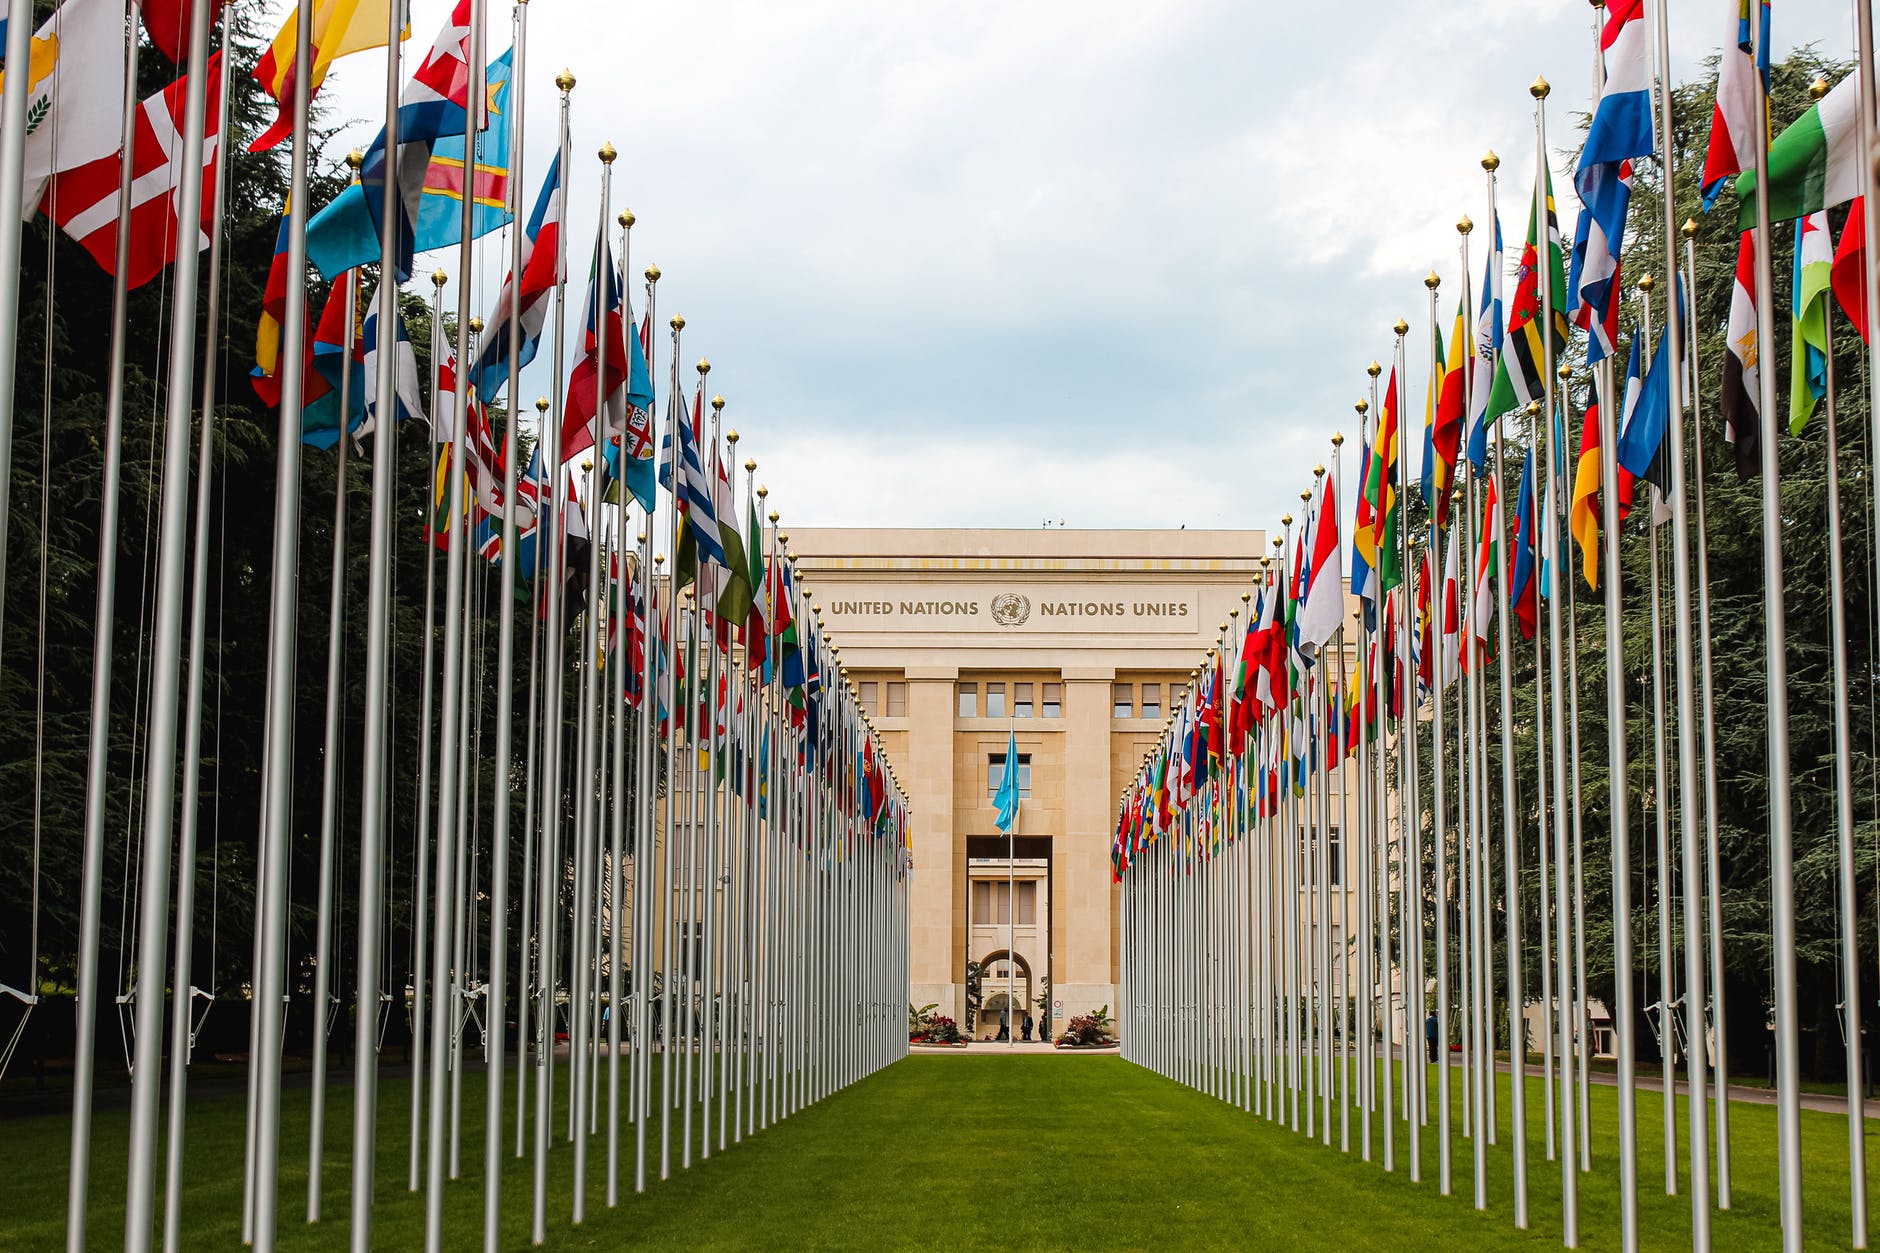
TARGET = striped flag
x,y
340,28
1733,119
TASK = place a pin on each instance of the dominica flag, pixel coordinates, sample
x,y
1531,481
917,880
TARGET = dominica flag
x,y
1518,376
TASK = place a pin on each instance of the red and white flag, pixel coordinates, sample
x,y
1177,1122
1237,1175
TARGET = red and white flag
x,y
84,200
1849,275
1741,400
1733,119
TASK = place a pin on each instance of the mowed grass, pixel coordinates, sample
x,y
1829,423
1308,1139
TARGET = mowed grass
x,y
1034,1152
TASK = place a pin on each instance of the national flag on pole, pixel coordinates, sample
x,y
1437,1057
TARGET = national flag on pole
x,y
682,474
1487,571
628,385
407,391
340,28
265,376
1814,164
1643,449
732,608
1849,275
1322,611
754,634
74,95
1518,374
1733,119
84,201
1742,391
1451,651
1380,492
1488,332
541,271
1583,518
426,174
1522,600
1808,370
338,352
1363,540
165,21
1446,435
1621,129
1426,625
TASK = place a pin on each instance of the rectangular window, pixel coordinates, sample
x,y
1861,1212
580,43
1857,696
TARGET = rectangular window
x,y
869,689
995,773
982,903
1333,849
1152,700
995,700
1052,700
897,699
992,904
1021,700
969,700
1028,904
1122,700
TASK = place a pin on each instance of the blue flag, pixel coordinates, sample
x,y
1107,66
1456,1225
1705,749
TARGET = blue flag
x,y
1006,800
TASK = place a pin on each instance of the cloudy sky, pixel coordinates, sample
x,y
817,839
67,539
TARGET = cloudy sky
x,y
988,264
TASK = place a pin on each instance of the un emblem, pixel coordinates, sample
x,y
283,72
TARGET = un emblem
x,y
1010,609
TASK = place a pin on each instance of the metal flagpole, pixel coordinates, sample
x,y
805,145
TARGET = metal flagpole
x,y
1775,638
617,770
1409,820
98,743
679,719
421,901
1517,1037
444,973
1438,749
183,989
497,990
647,840
13,132
1712,867
329,768
1571,935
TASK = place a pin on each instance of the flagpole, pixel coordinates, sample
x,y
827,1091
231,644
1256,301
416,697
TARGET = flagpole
x,y
98,743
1437,816
166,656
444,973
1712,868
617,769
679,718
421,902
13,133
329,763
529,977
182,1017
1344,843
1575,1103
497,989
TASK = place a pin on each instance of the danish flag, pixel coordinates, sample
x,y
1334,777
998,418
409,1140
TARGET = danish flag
x,y
84,200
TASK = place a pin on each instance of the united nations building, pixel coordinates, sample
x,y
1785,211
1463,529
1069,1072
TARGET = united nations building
x,y
1077,642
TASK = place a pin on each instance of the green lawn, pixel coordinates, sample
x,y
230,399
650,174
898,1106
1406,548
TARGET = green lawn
x,y
1029,1152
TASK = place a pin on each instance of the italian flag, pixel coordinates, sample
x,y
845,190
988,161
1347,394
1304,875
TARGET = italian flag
x,y
1813,164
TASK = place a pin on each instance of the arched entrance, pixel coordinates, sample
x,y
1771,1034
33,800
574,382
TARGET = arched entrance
x,y
1006,989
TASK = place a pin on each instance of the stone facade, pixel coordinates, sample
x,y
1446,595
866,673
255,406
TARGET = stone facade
x,y
1074,641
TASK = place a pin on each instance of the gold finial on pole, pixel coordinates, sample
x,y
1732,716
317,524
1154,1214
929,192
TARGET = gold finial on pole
x,y
750,465
678,322
565,80
1431,281
1690,228
652,274
1363,406
704,367
476,326
541,404
1338,439
1464,224
1646,282
355,159
439,278
1491,162
1539,88
1402,328
1374,369
608,154
1818,88
626,218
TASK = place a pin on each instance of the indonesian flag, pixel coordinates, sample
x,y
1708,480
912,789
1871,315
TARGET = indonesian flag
x,y
84,201
1733,120
1322,608
1741,403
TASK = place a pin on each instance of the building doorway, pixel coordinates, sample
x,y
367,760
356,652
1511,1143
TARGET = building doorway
x,y
1006,985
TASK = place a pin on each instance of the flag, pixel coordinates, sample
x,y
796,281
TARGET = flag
x,y
1451,652
1487,570
1813,165
1808,369
1584,514
336,364
1521,581
754,634
84,201
733,605
1742,395
265,376
165,21
541,272
1644,451
1621,129
1518,373
1364,540
1426,623
1446,435
1733,119
426,174
74,94
1380,491
1322,610
340,28
682,474
1488,324
628,385
407,393
1849,274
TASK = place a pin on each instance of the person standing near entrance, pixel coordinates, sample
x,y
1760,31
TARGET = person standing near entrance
x,y
1026,1026
1005,1024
